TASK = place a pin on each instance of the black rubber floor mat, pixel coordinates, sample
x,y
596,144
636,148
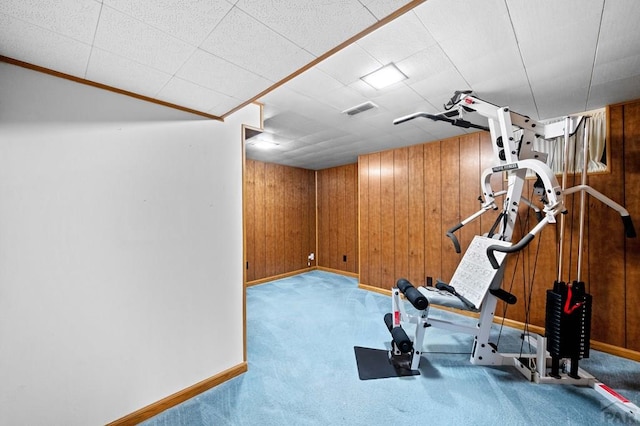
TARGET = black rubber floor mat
x,y
375,364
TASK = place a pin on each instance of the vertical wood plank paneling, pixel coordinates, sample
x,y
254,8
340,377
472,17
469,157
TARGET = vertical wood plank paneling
x,y
363,217
259,264
337,225
387,224
289,220
249,219
375,227
349,220
632,200
312,218
433,210
469,188
280,221
334,218
353,265
300,227
488,160
450,185
323,218
530,272
346,229
450,199
607,280
416,213
343,236
409,197
542,266
401,213
280,200
271,220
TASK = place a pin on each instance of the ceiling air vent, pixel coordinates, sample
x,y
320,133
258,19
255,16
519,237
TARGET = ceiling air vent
x,y
360,108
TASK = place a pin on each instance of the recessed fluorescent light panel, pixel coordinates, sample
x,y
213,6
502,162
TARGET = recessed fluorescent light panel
x,y
262,144
385,76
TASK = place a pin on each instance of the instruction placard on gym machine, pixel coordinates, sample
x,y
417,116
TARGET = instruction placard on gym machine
x,y
475,274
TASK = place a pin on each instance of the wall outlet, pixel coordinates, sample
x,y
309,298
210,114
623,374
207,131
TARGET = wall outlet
x,y
311,257
344,257
429,282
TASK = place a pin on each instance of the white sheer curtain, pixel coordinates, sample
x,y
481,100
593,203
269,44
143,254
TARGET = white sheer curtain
x,y
597,141
597,125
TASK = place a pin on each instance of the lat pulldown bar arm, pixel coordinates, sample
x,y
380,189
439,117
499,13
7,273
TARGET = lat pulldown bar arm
x,y
458,122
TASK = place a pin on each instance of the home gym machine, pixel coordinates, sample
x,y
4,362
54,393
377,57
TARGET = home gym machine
x,y
476,284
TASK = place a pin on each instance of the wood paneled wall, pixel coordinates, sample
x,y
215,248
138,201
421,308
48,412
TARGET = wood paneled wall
x,y
409,197
614,261
280,219
337,197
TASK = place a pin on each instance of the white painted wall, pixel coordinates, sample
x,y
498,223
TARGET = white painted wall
x,y
120,250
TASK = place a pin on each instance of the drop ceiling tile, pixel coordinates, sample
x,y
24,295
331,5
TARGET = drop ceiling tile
x,y
381,122
517,98
349,64
292,125
559,37
365,89
400,98
313,83
487,57
113,70
439,130
573,96
398,39
76,19
266,156
287,145
383,8
552,104
322,135
612,92
502,66
366,124
342,98
471,45
619,31
315,26
626,67
255,47
284,98
411,134
217,74
425,63
560,56
133,39
191,95
438,89
225,105
187,20
39,46
617,63
467,29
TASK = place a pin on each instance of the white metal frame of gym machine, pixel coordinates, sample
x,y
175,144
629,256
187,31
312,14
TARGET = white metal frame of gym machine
x,y
512,137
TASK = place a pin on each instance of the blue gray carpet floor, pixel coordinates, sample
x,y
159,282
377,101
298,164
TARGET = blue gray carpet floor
x,y
301,333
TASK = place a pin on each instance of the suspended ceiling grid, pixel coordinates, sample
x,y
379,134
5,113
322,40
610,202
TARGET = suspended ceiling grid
x,y
545,59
